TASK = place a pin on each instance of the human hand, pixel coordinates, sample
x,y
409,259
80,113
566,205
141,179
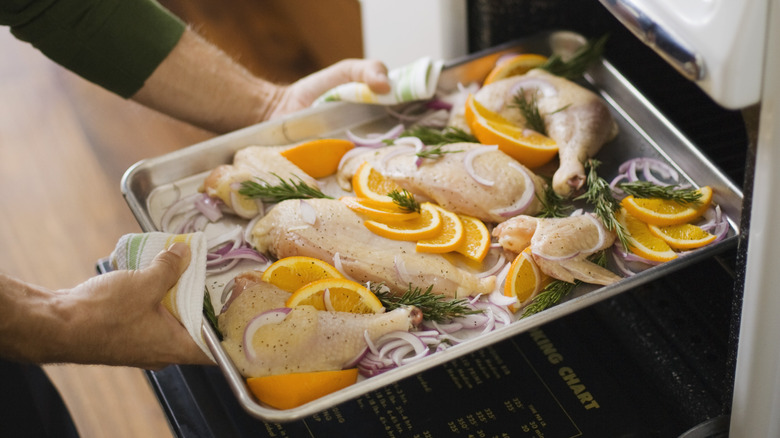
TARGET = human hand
x,y
304,92
118,318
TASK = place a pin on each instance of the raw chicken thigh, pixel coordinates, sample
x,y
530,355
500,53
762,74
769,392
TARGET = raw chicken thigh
x,y
560,246
577,119
328,230
478,181
305,340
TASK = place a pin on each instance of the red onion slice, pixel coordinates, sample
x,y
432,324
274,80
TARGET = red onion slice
x,y
241,211
468,163
392,154
496,268
274,316
209,207
308,213
525,200
499,299
375,141
181,206
326,299
350,154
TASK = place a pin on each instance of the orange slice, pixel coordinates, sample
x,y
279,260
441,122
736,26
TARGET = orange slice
x,y
427,226
524,280
318,158
450,236
655,211
378,211
292,273
514,66
345,296
476,243
643,242
474,109
287,391
683,236
529,147
368,183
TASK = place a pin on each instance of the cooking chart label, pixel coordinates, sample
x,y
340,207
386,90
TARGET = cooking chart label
x,y
548,382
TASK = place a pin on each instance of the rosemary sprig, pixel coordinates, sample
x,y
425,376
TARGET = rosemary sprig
x,y
434,152
404,200
599,194
281,191
557,290
431,136
434,307
211,316
646,189
575,66
553,204
530,111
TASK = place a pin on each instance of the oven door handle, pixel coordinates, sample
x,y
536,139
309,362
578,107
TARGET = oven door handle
x,y
677,53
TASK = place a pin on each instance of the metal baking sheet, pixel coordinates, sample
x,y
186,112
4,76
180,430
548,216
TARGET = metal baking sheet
x,y
150,185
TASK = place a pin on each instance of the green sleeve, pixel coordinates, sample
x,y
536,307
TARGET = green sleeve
x,y
116,44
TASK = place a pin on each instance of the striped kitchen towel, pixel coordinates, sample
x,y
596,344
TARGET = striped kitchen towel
x,y
415,81
185,299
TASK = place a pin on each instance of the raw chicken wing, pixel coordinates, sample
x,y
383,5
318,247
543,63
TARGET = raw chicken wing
x,y
251,163
560,246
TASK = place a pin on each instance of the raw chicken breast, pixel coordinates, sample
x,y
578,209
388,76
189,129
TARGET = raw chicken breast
x,y
560,246
496,187
306,340
251,163
328,230
577,119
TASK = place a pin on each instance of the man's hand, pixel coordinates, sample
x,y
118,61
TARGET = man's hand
x,y
118,318
305,91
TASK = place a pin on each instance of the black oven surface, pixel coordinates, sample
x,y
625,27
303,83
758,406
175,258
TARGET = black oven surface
x,y
652,362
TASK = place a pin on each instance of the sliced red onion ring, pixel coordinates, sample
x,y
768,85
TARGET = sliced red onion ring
x,y
392,154
400,269
183,205
499,299
352,363
240,210
525,200
350,154
468,163
273,316
209,207
308,213
338,264
496,268
375,141
326,299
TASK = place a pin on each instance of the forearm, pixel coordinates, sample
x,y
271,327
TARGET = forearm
x,y
200,84
32,322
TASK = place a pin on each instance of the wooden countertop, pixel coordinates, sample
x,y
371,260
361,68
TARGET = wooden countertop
x,y
65,145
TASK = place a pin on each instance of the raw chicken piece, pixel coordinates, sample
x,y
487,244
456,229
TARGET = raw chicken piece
x,y
505,188
251,163
328,230
560,246
306,340
577,119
